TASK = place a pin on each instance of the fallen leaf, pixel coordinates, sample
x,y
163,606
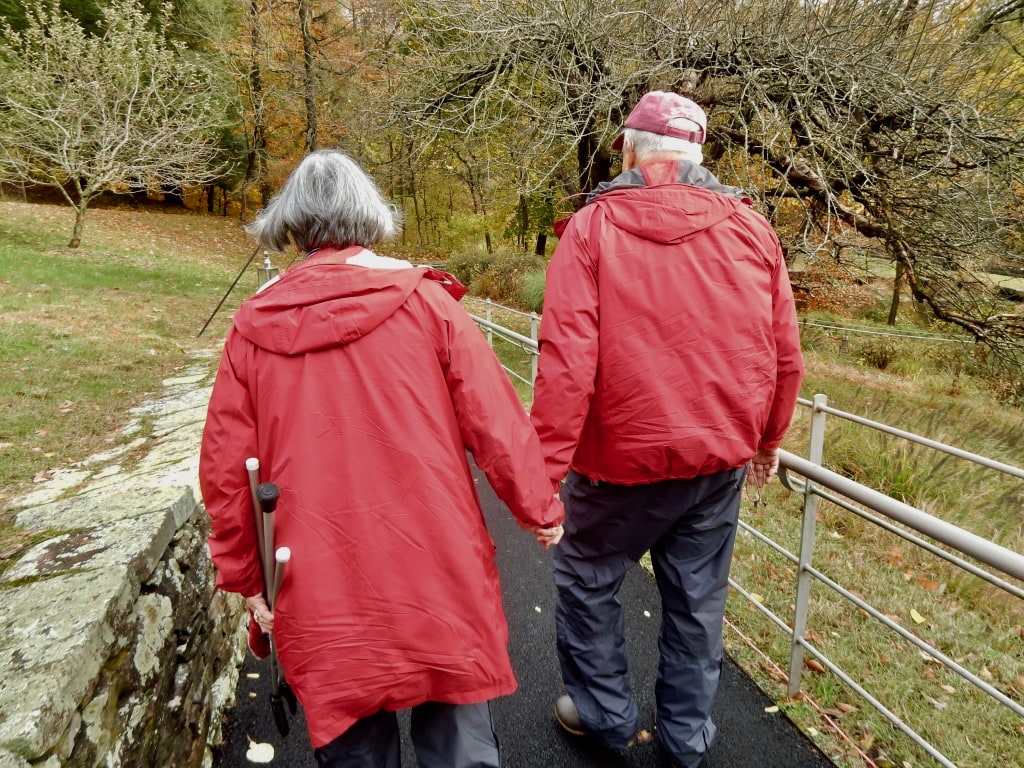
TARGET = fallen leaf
x,y
937,703
644,737
771,710
931,586
916,616
259,752
948,688
814,665
845,708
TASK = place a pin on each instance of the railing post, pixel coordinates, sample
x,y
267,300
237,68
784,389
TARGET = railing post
x,y
488,317
815,452
534,356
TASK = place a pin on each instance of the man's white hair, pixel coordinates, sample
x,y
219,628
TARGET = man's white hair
x,y
646,143
328,200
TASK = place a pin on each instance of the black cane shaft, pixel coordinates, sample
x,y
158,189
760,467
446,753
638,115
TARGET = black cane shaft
x,y
267,495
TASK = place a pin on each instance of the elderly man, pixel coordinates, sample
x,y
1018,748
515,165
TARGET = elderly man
x,y
669,369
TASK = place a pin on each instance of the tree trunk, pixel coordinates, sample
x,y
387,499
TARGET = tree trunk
x,y
894,304
309,77
542,244
76,233
255,157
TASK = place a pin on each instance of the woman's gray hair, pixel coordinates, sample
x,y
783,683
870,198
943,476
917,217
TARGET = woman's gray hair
x,y
328,200
647,143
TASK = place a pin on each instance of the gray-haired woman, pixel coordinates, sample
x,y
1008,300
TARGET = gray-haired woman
x,y
360,384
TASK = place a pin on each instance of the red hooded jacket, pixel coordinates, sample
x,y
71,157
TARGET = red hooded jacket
x,y
669,346
360,390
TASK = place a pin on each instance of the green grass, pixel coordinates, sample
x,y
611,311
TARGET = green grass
x,y
89,332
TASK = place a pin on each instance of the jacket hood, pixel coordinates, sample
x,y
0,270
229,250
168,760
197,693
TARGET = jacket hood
x,y
647,206
331,299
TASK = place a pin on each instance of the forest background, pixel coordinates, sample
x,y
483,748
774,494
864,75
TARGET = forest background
x,y
867,132
883,140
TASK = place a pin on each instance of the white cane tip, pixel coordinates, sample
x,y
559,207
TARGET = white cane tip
x,y
251,464
283,554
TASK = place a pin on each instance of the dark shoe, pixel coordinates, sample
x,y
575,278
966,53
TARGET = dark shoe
x,y
568,716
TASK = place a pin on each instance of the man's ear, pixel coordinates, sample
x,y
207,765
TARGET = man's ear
x,y
628,157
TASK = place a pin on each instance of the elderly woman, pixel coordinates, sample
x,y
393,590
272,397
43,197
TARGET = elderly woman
x,y
360,384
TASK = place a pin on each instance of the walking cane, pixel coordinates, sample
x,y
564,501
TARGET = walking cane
x,y
265,497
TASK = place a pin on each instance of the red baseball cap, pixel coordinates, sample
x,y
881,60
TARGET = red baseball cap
x,y
656,109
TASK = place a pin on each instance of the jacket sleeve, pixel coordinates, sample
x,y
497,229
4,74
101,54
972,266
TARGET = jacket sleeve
x,y
568,350
494,424
229,438
789,359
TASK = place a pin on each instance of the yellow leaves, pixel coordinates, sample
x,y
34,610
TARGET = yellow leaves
x,y
917,617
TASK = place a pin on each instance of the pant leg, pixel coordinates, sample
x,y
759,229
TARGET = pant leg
x,y
372,742
454,736
691,563
589,569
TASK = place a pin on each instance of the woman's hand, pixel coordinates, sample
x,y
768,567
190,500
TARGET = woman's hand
x,y
261,612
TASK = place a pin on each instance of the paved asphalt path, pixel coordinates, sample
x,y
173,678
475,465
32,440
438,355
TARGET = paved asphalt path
x,y
748,736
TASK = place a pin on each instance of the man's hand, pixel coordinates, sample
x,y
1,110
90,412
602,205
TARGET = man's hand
x,y
548,537
261,612
763,467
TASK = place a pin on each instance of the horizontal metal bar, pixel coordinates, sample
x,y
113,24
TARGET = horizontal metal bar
x,y
761,607
1000,558
769,542
949,557
529,344
934,444
910,637
889,715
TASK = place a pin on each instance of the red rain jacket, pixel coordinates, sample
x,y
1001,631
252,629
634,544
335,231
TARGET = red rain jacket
x,y
360,391
669,343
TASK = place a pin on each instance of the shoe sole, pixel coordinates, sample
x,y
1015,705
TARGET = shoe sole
x,y
567,727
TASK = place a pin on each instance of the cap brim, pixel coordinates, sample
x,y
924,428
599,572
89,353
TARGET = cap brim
x,y
617,144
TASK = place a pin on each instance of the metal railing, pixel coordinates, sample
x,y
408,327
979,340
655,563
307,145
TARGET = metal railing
x,y
814,482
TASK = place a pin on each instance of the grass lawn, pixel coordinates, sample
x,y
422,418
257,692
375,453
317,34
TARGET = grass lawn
x,y
87,333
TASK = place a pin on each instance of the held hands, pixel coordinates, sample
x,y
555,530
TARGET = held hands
x,y
763,467
261,612
548,537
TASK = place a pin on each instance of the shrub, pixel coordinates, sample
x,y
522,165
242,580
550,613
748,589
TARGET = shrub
x,y
531,295
503,280
467,266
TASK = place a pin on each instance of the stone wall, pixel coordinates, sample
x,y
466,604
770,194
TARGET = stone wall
x,y
115,647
